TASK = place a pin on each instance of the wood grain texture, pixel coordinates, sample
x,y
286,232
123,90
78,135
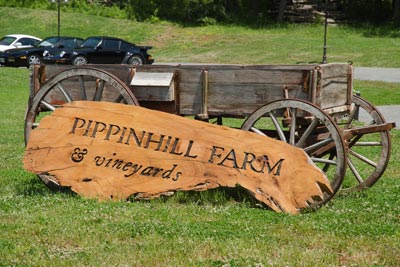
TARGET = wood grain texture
x,y
113,151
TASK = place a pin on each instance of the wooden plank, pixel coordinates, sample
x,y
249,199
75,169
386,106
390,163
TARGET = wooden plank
x,y
190,98
153,93
112,151
335,70
333,92
335,86
244,76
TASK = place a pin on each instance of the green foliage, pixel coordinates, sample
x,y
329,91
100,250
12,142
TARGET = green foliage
x,y
369,11
78,6
207,12
187,12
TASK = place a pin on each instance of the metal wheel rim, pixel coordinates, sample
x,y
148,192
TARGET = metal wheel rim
x,y
79,61
135,61
33,60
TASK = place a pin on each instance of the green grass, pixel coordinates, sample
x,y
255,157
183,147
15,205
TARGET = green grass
x,y
39,227
379,93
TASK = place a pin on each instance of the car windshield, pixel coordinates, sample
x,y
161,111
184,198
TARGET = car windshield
x,y
7,40
91,42
48,41
65,43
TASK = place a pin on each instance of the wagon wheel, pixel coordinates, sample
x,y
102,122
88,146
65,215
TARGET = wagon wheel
x,y
368,153
306,126
84,84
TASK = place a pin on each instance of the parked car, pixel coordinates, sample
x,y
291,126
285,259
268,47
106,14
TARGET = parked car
x,y
24,57
102,50
18,41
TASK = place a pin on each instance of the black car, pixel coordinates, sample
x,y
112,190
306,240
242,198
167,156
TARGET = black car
x,y
24,57
102,50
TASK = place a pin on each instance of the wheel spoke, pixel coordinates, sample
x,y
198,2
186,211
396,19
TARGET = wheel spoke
x,y
318,145
278,127
47,105
293,114
308,132
363,158
66,95
354,171
368,144
82,88
354,140
322,160
257,131
99,91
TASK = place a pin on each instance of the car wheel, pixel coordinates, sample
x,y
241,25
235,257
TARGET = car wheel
x,y
80,61
135,60
34,60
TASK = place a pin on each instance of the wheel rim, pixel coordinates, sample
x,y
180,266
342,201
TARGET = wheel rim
x,y
368,154
304,125
34,60
83,84
80,61
135,61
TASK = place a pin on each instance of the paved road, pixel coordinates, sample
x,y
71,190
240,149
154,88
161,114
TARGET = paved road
x,y
377,74
391,112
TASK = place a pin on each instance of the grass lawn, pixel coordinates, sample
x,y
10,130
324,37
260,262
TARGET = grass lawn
x,y
39,227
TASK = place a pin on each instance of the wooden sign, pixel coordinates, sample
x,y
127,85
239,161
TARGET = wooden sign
x,y
114,151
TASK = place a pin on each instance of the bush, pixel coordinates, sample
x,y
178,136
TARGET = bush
x,y
369,11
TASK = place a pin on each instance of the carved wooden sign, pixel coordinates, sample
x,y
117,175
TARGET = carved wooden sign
x,y
113,151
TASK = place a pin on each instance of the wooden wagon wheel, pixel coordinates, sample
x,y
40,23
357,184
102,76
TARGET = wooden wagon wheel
x,y
84,84
306,126
368,152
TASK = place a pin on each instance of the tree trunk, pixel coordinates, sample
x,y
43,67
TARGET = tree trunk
x,y
281,11
396,10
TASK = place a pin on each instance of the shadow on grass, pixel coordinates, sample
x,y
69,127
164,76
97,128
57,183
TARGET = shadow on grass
x,y
33,185
215,197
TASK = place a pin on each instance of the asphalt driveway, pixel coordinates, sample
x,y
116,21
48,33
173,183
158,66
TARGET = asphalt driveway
x,y
377,74
390,112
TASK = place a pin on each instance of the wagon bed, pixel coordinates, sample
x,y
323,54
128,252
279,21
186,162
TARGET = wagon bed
x,y
228,90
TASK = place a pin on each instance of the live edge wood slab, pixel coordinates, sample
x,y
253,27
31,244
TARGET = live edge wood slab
x,y
114,151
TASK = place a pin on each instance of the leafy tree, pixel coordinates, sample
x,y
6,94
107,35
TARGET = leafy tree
x,y
249,12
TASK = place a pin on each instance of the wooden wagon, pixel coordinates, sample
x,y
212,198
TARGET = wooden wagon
x,y
309,106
